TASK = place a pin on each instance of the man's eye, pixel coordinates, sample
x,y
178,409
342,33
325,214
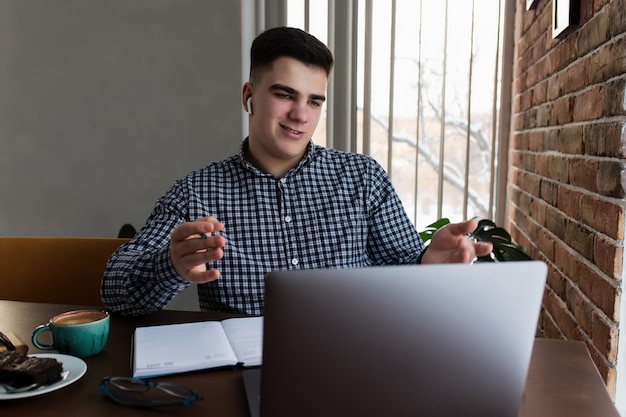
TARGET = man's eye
x,y
316,103
283,96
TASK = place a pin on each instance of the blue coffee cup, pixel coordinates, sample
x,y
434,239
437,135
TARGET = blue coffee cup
x,y
81,333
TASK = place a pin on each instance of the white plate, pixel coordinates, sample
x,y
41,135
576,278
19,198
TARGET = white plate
x,y
76,367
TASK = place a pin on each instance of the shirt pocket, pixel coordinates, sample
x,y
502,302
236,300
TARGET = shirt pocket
x,y
343,236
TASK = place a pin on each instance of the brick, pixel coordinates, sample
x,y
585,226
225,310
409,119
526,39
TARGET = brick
x,y
604,216
598,4
569,202
605,139
528,162
516,102
586,12
562,111
555,223
538,209
583,173
608,256
613,98
519,84
542,164
606,370
550,329
590,104
549,191
535,141
515,159
604,336
610,378
556,282
617,16
580,308
542,115
553,90
566,260
514,178
579,238
562,54
601,292
551,140
608,62
559,169
540,92
518,121
516,139
524,58
545,243
583,269
532,75
530,190
531,185
523,241
576,77
521,218
562,317
590,36
524,201
611,179
526,100
571,140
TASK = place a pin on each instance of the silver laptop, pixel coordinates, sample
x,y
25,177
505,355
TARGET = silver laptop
x,y
422,340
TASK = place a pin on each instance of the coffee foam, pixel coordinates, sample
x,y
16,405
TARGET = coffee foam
x,y
79,317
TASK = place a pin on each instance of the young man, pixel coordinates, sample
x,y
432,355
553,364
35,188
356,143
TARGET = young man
x,y
281,203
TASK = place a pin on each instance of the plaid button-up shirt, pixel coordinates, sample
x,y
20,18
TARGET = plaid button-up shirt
x,y
334,210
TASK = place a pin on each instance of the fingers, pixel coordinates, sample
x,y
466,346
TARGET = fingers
x,y
483,248
196,228
193,267
463,228
193,245
203,277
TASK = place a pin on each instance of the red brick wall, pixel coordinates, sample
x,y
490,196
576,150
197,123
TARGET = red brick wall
x,y
567,175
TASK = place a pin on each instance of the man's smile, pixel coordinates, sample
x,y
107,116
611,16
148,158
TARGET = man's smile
x,y
292,131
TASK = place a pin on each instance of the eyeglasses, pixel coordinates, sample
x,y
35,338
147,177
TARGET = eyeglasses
x,y
144,393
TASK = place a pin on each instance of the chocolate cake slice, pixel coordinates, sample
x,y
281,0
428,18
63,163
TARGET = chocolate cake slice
x,y
19,370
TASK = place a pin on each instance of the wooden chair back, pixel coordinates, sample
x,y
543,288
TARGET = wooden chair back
x,y
60,270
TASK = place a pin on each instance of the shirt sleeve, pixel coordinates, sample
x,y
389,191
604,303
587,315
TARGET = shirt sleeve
x,y
393,239
139,277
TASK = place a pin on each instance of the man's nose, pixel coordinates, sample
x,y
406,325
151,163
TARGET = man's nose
x,y
299,111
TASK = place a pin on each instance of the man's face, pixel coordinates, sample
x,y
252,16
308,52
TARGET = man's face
x,y
286,103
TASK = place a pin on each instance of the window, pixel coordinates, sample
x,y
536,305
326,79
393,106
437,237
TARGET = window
x,y
423,80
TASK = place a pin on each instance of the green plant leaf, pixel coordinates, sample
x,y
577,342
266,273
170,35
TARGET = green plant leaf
x,y
504,249
429,231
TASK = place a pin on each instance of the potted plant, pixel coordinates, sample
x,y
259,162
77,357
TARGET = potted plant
x,y
504,249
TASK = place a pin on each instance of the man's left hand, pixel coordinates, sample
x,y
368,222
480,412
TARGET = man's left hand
x,y
450,244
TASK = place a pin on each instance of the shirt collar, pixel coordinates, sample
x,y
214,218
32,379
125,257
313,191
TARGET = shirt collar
x,y
309,156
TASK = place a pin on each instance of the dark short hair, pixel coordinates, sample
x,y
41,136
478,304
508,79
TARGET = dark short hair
x,y
289,42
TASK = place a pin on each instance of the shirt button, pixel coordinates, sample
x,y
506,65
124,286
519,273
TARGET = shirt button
x,y
283,180
294,261
287,219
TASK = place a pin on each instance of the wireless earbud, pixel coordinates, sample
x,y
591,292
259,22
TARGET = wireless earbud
x,y
249,103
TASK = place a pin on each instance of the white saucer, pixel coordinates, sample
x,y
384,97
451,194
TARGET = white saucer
x,y
75,366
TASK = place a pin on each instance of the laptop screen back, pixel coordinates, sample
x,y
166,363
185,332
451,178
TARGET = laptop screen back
x,y
432,340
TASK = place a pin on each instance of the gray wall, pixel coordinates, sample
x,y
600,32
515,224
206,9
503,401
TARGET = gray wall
x,y
103,104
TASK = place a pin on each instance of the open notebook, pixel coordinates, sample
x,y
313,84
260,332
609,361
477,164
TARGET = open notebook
x,y
431,340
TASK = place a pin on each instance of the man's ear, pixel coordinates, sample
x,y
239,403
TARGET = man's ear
x,y
249,105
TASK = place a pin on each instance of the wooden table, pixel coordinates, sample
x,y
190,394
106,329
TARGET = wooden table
x,y
562,380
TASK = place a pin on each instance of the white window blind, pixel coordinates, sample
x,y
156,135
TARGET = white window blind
x,y
418,86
